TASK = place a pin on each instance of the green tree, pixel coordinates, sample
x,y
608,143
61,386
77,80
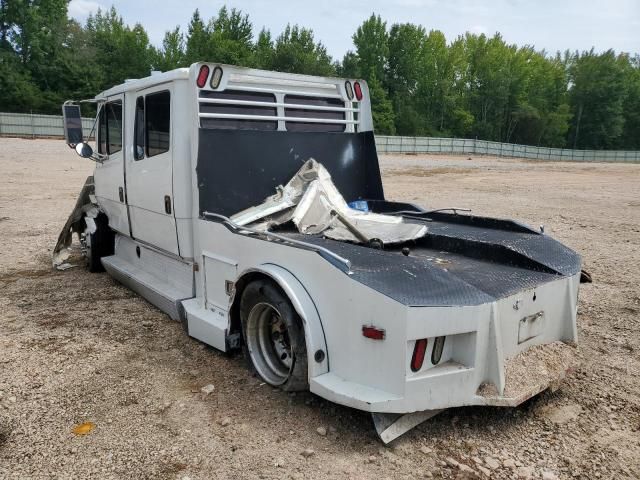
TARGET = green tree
x,y
630,138
406,42
296,51
349,67
263,52
173,52
597,97
381,108
231,38
197,48
17,90
372,48
121,51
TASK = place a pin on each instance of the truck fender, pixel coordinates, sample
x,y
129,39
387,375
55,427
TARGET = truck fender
x,y
318,358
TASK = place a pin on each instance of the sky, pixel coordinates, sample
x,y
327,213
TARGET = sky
x,y
546,24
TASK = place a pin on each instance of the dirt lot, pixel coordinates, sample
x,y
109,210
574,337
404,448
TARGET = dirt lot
x,y
77,347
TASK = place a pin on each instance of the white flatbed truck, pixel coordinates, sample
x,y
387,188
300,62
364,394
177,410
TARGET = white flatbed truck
x,y
477,311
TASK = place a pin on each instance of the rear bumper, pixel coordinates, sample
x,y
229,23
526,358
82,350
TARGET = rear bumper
x,y
542,368
499,353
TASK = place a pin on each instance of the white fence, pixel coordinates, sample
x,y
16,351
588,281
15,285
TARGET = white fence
x,y
34,125
26,125
469,146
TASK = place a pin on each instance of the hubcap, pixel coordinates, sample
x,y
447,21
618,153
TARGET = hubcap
x,y
269,344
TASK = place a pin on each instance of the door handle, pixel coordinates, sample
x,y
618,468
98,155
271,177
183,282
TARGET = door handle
x,y
121,194
167,204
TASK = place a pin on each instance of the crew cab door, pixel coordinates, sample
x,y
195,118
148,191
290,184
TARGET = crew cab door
x,y
149,171
109,174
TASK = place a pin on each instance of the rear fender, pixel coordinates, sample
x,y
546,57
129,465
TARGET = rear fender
x,y
306,309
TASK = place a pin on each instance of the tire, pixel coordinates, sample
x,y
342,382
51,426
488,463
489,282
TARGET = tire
x,y
274,343
100,244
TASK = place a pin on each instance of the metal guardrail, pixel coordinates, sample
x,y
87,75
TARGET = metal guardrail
x,y
34,126
469,146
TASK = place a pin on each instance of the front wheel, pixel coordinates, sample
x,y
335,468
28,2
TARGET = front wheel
x,y
99,244
273,336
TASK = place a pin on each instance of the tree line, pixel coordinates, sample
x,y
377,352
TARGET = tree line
x,y
475,86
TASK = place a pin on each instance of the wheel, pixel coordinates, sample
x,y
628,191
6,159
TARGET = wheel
x,y
274,342
99,244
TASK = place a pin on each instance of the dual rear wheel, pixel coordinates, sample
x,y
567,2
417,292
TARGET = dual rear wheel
x,y
274,342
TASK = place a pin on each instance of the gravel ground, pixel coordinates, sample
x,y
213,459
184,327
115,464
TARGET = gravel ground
x,y
78,347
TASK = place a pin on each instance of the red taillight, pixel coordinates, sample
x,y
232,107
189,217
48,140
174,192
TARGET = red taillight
x,y
418,354
373,333
358,89
203,74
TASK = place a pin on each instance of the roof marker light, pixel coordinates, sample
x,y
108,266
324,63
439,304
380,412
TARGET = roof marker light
x,y
349,89
418,354
358,90
203,74
373,333
216,77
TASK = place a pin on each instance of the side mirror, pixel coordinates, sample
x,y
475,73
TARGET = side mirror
x,y
84,150
72,122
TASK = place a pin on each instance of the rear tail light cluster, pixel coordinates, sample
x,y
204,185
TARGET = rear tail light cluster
x,y
420,349
203,75
356,90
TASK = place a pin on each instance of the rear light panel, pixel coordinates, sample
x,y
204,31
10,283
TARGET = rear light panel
x,y
203,75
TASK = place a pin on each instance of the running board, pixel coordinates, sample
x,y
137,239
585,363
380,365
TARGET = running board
x,y
392,425
163,281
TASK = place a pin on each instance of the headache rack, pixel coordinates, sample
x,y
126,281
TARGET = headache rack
x,y
273,102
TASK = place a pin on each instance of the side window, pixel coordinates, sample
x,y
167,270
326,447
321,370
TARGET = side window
x,y
114,126
139,129
157,123
102,130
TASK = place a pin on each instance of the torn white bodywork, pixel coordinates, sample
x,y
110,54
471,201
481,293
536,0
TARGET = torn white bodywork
x,y
315,206
80,221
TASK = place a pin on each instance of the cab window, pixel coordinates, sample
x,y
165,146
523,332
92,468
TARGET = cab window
x,y
139,129
114,126
110,128
157,113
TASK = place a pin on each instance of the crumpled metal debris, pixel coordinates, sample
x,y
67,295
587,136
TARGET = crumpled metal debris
x,y
314,204
80,221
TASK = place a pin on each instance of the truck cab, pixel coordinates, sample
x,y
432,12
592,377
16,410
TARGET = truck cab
x,y
404,328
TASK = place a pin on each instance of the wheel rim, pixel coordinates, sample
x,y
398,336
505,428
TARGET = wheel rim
x,y
269,343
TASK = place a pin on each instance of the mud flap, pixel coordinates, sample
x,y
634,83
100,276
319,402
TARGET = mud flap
x,y
392,425
75,223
